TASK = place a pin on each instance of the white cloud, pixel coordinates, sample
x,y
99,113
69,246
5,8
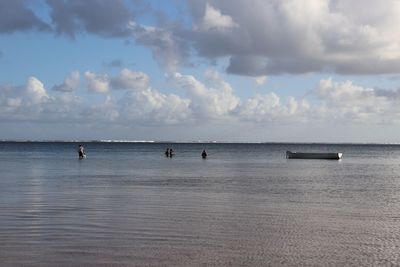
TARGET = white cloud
x,y
214,20
132,80
97,83
260,107
343,93
70,83
141,104
63,108
203,105
261,80
31,102
108,111
35,92
151,106
347,102
208,102
269,107
13,103
9,105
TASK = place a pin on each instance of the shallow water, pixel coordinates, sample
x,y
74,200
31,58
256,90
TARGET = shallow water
x,y
245,205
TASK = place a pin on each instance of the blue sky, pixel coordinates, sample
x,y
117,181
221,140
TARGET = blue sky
x,y
245,70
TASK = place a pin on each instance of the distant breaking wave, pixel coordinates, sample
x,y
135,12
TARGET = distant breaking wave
x,y
126,141
196,141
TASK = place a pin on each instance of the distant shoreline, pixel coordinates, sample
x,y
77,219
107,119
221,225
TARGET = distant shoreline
x,y
195,142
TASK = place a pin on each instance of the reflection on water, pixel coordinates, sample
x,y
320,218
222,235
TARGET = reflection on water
x,y
246,205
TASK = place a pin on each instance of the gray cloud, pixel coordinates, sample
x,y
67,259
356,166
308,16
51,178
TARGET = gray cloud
x,y
258,37
100,17
107,18
390,94
16,16
70,83
259,65
168,48
274,37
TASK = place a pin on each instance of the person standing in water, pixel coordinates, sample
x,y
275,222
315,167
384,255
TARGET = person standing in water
x,y
81,152
169,153
204,154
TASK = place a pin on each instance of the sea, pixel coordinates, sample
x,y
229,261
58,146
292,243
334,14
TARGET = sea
x,y
127,204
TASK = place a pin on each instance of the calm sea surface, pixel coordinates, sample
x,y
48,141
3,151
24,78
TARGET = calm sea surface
x,y
126,204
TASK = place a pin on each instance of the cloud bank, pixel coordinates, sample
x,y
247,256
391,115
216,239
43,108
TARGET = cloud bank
x,y
194,102
274,37
257,37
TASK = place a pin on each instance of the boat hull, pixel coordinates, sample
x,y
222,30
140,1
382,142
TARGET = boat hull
x,y
303,155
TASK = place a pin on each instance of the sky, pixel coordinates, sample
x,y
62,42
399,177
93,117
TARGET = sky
x,y
189,70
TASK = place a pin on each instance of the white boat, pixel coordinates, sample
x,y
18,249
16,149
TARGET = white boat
x,y
306,155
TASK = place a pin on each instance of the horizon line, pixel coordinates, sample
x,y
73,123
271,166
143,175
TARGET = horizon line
x,y
192,142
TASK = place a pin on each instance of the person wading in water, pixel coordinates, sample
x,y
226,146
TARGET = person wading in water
x,y
81,152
